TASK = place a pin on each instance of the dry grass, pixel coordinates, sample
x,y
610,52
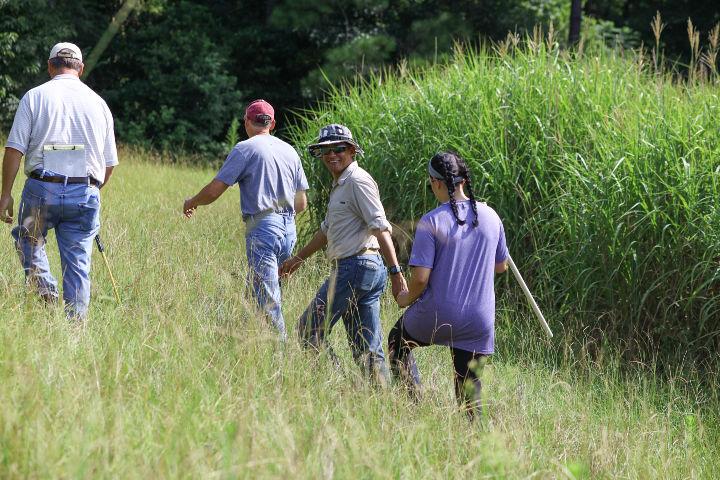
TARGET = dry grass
x,y
182,380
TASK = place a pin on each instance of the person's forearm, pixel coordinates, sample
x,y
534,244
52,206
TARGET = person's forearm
x,y
108,174
300,202
416,286
11,165
399,285
318,242
206,196
386,247
501,267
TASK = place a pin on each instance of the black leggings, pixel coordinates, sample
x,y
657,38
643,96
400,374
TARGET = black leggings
x,y
466,365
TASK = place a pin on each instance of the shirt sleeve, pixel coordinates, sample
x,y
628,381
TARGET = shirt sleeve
x,y
233,168
367,201
110,151
19,137
501,253
423,249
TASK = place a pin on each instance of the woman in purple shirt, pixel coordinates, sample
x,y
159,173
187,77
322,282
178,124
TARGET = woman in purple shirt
x,y
458,248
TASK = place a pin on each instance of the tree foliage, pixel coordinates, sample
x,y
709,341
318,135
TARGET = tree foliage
x,y
179,71
170,84
636,15
21,42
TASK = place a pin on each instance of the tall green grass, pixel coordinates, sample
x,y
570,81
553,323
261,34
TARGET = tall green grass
x,y
183,381
604,171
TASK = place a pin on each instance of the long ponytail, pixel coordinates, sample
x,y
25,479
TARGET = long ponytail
x,y
450,183
473,202
453,169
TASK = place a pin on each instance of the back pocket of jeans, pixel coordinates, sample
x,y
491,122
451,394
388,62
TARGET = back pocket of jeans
x,y
89,212
368,274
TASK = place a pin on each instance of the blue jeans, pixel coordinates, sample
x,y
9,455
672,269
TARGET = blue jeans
x,y
73,210
268,244
352,292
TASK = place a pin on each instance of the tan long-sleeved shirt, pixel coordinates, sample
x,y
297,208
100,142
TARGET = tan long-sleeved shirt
x,y
354,210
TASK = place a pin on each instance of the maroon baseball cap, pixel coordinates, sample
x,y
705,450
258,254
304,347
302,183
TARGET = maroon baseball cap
x,y
260,111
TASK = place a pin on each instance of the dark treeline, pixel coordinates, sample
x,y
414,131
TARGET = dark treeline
x,y
178,72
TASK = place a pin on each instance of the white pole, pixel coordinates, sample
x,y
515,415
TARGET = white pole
x,y
529,297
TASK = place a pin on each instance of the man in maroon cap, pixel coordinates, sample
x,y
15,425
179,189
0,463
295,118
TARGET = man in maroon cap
x,y
272,190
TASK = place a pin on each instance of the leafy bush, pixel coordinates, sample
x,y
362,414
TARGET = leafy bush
x,y
175,91
605,175
27,32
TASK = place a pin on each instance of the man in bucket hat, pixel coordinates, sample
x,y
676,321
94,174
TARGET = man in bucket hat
x,y
355,232
65,131
272,190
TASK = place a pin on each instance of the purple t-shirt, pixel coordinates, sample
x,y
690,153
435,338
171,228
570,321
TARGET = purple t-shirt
x,y
458,306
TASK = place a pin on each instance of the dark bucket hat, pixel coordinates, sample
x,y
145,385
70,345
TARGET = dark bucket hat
x,y
331,134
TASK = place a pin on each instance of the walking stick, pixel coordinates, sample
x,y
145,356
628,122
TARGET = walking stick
x,y
101,249
529,297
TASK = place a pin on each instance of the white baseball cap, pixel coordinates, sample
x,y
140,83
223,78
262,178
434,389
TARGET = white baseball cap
x,y
65,50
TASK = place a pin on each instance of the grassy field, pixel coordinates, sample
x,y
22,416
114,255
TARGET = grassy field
x,y
182,379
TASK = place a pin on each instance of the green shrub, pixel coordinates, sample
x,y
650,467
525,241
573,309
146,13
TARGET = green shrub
x,y
606,176
178,94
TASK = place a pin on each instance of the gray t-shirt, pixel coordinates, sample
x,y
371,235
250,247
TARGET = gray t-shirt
x,y
268,172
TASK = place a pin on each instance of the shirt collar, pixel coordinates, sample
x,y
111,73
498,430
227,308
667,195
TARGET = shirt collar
x,y
64,76
346,173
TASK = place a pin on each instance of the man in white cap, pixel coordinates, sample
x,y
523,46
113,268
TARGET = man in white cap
x,y
65,131
355,232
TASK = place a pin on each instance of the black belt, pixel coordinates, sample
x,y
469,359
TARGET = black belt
x,y
61,179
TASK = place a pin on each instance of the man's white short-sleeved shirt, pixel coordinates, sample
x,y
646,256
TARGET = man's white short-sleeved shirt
x,y
64,111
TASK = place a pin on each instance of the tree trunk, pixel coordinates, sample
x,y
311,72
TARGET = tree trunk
x,y
107,36
575,21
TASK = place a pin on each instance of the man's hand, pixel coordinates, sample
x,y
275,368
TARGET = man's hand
x,y
403,299
318,241
399,284
206,196
6,209
289,266
189,207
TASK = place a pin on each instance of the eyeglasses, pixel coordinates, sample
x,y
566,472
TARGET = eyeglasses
x,y
320,151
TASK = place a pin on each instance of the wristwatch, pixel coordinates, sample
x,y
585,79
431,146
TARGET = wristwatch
x,y
395,269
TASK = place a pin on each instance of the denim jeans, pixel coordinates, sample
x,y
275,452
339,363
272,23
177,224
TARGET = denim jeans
x,y
73,210
352,292
268,244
